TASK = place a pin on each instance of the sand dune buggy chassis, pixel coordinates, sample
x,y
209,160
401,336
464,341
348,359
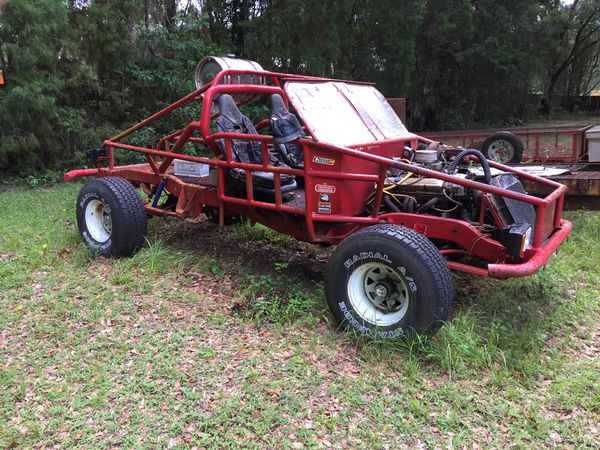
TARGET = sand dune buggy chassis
x,y
348,175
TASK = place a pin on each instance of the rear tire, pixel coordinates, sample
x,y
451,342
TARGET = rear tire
x,y
503,147
387,280
111,217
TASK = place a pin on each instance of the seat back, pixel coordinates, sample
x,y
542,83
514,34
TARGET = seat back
x,y
286,127
231,120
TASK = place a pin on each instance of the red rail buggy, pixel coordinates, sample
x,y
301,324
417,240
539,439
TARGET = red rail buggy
x,y
341,168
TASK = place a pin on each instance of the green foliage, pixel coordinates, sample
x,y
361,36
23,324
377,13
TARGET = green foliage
x,y
77,74
279,300
78,71
379,44
30,34
474,63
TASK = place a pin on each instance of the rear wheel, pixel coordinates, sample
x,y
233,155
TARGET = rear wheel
x,y
387,280
111,216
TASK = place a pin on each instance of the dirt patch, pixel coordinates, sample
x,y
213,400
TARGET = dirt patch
x,y
6,182
7,256
235,246
264,254
587,348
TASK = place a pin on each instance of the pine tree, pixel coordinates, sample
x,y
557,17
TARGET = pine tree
x,y
31,42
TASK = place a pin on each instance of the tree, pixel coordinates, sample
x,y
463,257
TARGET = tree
x,y
77,70
169,15
475,62
444,54
228,21
573,59
379,43
31,45
298,36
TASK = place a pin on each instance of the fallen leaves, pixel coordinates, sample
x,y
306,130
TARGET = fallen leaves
x,y
7,256
162,358
555,437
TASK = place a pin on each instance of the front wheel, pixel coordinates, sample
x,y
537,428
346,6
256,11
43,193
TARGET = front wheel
x,y
386,280
111,216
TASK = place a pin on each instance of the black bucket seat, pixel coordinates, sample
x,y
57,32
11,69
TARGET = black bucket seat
x,y
286,128
231,120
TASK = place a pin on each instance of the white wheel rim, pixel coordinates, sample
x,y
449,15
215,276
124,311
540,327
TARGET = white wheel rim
x,y
378,294
501,151
98,221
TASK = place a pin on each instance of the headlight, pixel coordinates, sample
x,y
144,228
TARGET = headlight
x,y
517,238
527,239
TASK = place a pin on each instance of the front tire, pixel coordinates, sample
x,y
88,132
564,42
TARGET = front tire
x,y
387,280
111,217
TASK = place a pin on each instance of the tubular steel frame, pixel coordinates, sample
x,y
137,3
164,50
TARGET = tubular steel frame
x,y
303,222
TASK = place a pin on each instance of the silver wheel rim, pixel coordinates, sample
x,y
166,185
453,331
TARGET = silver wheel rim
x,y
98,221
501,151
378,294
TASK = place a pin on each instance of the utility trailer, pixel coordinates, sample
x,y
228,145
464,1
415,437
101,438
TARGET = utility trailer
x,y
541,145
566,154
330,164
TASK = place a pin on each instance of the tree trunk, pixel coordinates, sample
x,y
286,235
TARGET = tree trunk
x,y
585,31
239,17
169,14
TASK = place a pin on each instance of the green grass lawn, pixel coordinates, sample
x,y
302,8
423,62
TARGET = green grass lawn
x,y
221,338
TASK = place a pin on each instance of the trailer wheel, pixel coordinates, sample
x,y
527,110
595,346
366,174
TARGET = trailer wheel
x,y
503,147
111,216
386,280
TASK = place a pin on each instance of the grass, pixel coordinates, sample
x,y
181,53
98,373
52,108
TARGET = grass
x,y
210,338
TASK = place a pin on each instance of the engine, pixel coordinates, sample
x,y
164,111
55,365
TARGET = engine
x,y
508,220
